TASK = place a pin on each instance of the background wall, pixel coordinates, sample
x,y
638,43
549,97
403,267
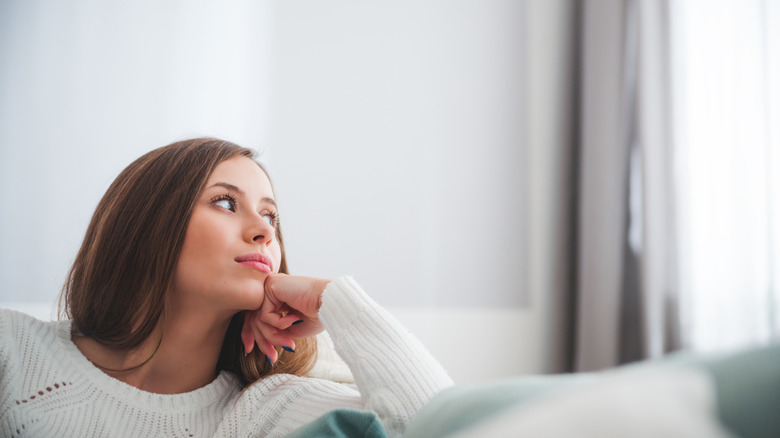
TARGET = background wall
x,y
396,138
87,87
412,146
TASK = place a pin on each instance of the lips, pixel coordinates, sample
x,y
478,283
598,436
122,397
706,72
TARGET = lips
x,y
257,261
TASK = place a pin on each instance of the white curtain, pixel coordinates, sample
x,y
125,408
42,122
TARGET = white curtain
x,y
678,222
726,79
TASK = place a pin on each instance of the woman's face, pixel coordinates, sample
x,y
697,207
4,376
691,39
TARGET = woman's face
x,y
230,245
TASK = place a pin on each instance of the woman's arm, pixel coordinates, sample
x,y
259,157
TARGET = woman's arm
x,y
394,372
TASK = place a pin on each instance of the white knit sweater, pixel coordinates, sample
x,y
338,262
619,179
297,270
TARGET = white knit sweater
x,y
48,388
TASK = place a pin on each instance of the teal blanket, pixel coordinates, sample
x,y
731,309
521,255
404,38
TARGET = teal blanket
x,y
343,423
736,394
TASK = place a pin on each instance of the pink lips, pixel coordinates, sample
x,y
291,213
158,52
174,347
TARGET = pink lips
x,y
256,261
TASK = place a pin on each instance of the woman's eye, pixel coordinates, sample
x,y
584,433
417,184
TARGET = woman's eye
x,y
270,218
226,203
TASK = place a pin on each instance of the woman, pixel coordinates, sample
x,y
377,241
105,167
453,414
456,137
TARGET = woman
x,y
182,321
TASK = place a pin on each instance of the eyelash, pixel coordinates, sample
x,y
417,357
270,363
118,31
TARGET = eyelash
x,y
226,197
234,203
274,218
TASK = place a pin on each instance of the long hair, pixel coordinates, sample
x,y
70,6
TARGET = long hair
x,y
116,289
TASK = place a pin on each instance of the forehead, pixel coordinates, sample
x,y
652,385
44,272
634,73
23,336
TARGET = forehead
x,y
243,173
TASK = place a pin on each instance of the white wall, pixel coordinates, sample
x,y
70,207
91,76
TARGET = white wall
x,y
397,142
402,139
86,87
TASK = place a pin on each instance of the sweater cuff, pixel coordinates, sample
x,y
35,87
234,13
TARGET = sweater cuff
x,y
343,301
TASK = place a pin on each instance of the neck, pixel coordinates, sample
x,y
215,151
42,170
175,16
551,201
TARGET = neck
x,y
179,356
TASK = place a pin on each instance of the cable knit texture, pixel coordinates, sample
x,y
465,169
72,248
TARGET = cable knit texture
x,y
49,389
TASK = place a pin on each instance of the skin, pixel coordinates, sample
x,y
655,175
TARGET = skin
x,y
234,217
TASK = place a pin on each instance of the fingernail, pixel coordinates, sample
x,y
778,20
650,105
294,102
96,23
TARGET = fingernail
x,y
269,360
288,349
297,322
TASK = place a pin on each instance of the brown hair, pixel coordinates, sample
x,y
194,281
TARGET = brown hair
x,y
115,291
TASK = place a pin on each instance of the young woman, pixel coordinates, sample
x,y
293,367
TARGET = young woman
x,y
181,320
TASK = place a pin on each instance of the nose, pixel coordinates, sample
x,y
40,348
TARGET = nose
x,y
260,231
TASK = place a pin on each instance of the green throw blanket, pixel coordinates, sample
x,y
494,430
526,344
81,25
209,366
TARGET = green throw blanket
x,y
725,395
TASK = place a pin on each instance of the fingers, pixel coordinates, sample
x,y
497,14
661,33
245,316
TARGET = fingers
x,y
290,309
293,324
296,293
265,346
278,321
247,337
277,313
266,337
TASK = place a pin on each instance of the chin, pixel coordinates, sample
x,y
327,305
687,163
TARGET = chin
x,y
251,299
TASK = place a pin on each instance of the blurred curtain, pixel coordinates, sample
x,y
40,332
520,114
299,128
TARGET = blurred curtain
x,y
625,294
675,200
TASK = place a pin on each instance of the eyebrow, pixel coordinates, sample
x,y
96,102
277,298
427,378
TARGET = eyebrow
x,y
234,188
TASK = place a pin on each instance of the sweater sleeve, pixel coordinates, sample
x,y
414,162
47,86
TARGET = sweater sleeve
x,y
5,375
395,374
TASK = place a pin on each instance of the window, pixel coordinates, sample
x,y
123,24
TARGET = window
x,y
726,88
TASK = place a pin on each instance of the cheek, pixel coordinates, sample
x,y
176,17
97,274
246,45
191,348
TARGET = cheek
x,y
191,269
276,254
195,250
200,252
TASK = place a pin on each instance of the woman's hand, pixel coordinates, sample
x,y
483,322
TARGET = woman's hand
x,y
289,310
